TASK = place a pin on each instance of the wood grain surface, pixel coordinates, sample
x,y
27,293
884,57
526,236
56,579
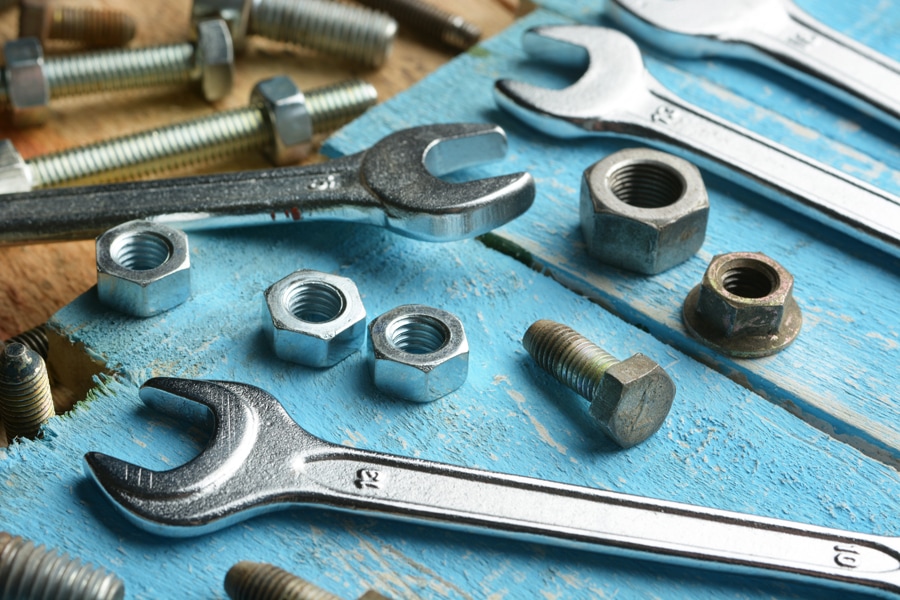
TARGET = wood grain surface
x,y
36,280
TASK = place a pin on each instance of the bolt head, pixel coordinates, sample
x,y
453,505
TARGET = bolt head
x,y
235,13
643,210
288,116
314,319
632,400
15,176
143,268
418,353
744,306
215,57
26,83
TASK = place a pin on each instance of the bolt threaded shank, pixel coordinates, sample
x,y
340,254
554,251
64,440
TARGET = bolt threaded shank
x,y
356,34
30,572
567,355
260,581
92,27
430,22
25,399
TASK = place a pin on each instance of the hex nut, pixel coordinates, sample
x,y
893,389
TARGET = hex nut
x,y
15,176
314,319
288,115
235,13
643,210
143,268
418,353
215,59
27,89
744,306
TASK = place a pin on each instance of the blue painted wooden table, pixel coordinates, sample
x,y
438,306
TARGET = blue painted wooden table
x,y
811,434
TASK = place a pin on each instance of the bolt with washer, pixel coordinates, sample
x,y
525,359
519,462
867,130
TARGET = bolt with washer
x,y
143,268
353,33
744,306
643,210
418,353
630,399
314,319
280,120
29,81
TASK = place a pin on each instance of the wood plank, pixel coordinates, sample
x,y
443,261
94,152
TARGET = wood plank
x,y
842,372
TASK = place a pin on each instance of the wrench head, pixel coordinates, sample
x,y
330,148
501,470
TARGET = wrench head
x,y
614,77
237,476
403,171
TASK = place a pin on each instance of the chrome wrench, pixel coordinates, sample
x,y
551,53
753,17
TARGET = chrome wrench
x,y
259,460
776,33
616,96
394,184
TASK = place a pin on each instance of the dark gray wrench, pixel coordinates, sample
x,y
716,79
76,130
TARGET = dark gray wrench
x,y
394,184
616,96
259,460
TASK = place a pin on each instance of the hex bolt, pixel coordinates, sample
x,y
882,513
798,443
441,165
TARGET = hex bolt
x,y
29,572
29,81
629,399
357,34
46,20
25,399
430,22
199,141
261,581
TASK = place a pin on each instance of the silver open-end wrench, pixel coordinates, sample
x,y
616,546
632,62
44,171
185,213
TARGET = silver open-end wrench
x,y
259,460
776,33
616,96
394,184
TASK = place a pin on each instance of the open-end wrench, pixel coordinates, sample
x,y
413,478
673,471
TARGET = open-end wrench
x,y
394,184
776,33
616,96
259,460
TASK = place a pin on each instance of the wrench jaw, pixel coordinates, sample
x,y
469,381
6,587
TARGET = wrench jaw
x,y
403,171
229,481
614,78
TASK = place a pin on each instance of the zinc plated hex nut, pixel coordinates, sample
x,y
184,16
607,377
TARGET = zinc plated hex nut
x,y
314,319
27,87
643,210
418,353
215,58
744,306
143,268
289,117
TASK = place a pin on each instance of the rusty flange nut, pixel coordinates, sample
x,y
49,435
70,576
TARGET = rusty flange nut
x,y
643,210
744,306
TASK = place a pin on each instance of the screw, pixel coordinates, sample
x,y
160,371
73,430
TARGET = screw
x,y
29,572
35,338
430,22
29,81
199,141
260,581
25,399
357,34
44,19
629,399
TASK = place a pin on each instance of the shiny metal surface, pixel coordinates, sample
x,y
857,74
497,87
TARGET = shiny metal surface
x,y
776,33
259,460
617,96
394,184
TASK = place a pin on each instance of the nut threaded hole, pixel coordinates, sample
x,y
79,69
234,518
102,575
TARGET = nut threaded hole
x,y
418,334
141,251
315,302
756,281
646,184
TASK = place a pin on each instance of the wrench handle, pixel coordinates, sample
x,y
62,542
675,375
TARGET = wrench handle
x,y
770,169
795,43
600,521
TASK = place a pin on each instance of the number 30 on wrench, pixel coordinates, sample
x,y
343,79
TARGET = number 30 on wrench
x,y
259,460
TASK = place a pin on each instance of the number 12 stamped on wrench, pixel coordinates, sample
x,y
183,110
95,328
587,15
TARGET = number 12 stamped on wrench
x,y
259,460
